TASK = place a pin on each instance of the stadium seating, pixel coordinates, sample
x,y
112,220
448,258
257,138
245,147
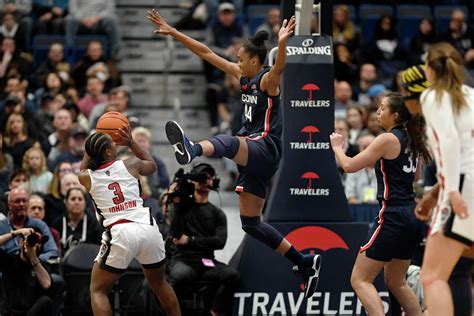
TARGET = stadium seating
x,y
409,17
442,14
369,15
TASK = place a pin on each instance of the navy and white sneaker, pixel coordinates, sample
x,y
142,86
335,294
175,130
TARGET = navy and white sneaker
x,y
183,148
309,270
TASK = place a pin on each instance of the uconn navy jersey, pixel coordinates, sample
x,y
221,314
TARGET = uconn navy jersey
x,y
262,116
395,176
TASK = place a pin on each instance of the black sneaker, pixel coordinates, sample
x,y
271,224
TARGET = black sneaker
x,y
183,148
309,270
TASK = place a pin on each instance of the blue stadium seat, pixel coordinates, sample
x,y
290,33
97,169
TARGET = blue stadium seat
x,y
369,15
442,14
256,15
412,10
41,45
80,46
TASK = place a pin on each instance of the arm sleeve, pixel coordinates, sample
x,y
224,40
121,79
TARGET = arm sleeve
x,y
442,121
219,239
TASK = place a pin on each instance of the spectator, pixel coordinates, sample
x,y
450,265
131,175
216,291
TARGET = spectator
x,y
58,140
25,277
96,17
51,16
9,28
344,31
367,78
54,63
52,85
12,62
76,140
54,198
78,118
18,218
372,123
385,49
204,229
230,106
223,37
77,226
36,209
461,36
95,95
361,186
342,98
344,67
22,11
376,93
421,41
118,96
6,168
15,138
158,181
272,27
355,119
95,54
34,164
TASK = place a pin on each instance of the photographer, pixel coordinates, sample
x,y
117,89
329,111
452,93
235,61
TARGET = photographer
x,y
197,229
25,277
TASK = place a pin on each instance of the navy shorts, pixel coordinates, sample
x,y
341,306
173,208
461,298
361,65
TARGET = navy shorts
x,y
396,234
263,161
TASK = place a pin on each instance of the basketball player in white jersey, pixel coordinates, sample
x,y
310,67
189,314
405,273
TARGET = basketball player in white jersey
x,y
448,108
130,230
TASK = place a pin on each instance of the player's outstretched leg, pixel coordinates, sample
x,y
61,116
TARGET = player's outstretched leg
x,y
309,268
185,150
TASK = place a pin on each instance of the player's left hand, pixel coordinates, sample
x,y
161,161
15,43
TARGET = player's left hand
x,y
424,207
125,134
337,140
458,204
287,29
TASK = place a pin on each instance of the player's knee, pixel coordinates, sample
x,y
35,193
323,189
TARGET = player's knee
x,y
250,223
429,277
225,146
393,284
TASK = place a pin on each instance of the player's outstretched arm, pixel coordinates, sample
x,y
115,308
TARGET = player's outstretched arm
x,y
145,164
271,80
196,47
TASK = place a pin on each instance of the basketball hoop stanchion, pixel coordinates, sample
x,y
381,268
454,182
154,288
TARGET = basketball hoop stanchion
x,y
307,204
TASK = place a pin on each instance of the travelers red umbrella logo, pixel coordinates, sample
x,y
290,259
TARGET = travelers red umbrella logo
x,y
310,176
310,129
315,237
310,87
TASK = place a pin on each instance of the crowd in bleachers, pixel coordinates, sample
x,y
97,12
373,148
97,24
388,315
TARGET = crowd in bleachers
x,y
55,83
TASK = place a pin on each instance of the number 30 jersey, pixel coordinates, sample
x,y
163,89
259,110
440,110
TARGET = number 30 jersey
x,y
116,195
395,176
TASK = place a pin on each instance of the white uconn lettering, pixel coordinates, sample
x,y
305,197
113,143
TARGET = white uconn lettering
x,y
249,98
320,50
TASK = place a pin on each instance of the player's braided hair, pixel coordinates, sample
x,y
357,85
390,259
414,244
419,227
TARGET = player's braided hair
x,y
256,46
96,144
415,125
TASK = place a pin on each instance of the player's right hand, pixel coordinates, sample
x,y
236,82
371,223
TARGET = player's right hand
x,y
163,26
424,207
458,204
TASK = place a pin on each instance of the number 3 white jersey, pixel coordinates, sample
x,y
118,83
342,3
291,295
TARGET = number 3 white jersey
x,y
116,194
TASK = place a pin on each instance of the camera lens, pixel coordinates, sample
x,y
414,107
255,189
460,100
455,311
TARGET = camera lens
x,y
32,239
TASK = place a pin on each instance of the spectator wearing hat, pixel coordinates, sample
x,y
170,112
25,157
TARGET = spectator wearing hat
x,y
94,96
75,153
376,93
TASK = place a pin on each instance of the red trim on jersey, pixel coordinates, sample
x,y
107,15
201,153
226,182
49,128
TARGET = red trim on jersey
x,y
120,221
267,118
239,188
105,165
440,158
385,182
374,235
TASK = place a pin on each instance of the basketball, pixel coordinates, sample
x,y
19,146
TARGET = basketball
x,y
110,122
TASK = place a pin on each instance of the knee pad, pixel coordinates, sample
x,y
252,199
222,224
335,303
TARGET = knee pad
x,y
225,146
261,231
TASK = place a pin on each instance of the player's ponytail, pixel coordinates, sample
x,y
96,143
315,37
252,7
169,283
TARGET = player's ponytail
x,y
96,144
256,46
415,125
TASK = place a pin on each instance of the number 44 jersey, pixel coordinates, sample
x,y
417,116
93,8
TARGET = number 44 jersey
x,y
116,195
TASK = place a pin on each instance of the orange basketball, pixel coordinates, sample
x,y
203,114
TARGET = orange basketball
x,y
110,122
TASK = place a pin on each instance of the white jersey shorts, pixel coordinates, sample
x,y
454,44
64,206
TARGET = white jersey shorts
x,y
125,241
445,221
